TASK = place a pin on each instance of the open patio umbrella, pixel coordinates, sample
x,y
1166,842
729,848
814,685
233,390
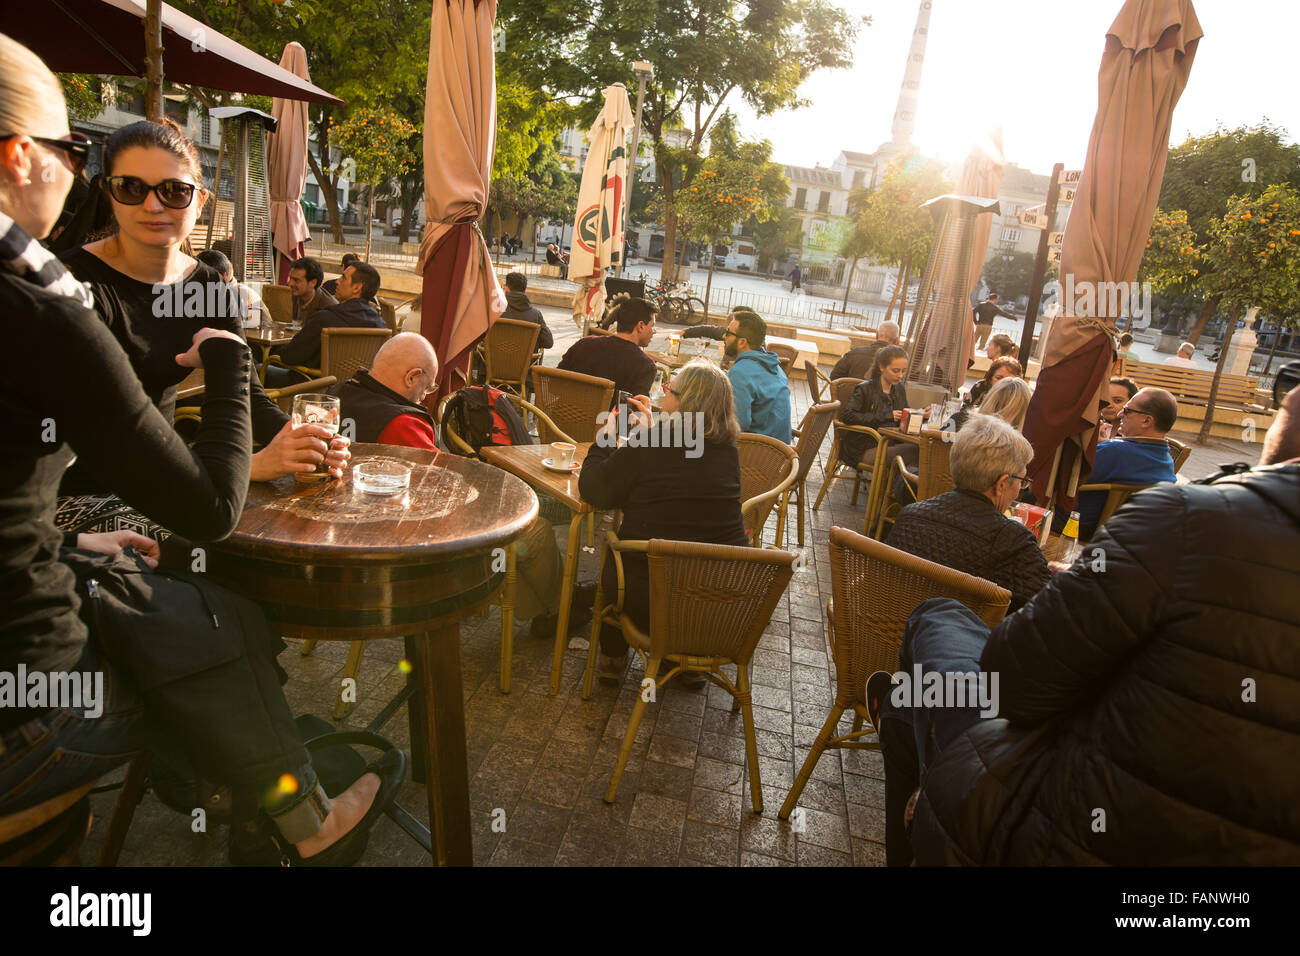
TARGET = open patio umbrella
x,y
107,36
287,167
1144,69
460,294
598,229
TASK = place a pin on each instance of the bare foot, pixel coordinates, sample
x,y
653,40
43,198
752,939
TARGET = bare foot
x,y
346,812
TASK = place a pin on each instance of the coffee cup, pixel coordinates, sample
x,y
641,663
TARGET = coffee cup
x,y
562,454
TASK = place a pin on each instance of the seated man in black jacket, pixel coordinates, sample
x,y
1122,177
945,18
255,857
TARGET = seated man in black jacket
x,y
1144,703
521,310
357,286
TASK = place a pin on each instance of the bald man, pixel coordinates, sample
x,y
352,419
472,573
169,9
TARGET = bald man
x,y
858,362
383,401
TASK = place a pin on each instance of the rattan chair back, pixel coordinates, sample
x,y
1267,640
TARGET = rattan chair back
x,y
935,469
787,354
768,467
278,302
817,382
815,426
508,352
388,312
344,350
283,397
874,590
1116,495
1178,451
572,401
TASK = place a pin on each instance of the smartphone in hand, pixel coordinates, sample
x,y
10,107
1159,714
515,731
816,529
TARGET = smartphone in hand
x,y
624,412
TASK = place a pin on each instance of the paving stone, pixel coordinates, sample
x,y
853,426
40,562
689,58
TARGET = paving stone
x,y
658,814
666,780
726,747
665,748
646,848
519,853
537,823
719,846
715,807
717,775
768,836
554,787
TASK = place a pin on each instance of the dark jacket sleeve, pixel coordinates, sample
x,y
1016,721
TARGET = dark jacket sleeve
x,y
1088,622
108,420
544,338
714,332
304,348
1025,568
867,406
267,416
608,476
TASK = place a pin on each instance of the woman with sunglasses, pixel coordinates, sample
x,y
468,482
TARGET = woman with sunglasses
x,y
153,297
93,407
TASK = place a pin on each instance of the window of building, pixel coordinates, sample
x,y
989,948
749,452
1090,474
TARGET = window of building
x,y
311,193
824,202
1011,235
801,198
177,110
859,177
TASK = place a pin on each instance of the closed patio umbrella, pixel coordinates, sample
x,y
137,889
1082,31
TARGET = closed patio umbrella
x,y
460,294
1144,69
598,229
287,167
981,175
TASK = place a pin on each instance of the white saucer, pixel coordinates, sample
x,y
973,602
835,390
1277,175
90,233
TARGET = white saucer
x,y
550,465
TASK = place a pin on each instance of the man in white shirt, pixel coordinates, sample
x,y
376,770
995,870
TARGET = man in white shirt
x,y
1184,357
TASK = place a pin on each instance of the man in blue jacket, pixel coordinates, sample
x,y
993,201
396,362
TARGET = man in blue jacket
x,y
1140,456
760,387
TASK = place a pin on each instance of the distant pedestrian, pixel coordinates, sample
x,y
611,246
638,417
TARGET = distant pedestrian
x,y
985,312
796,279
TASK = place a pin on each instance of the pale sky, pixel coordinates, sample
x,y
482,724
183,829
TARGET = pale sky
x,y
1030,65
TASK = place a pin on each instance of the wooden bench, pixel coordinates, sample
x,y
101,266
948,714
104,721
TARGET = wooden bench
x,y
1236,406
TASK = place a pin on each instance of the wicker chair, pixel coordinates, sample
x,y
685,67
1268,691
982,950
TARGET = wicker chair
x,y
1116,495
875,589
388,312
933,476
709,604
818,383
787,354
572,401
1179,452
768,467
508,353
811,435
278,301
283,397
842,390
343,351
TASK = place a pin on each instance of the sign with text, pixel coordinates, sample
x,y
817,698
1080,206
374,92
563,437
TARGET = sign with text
x,y
1055,239
1071,177
1054,255
1034,217
1067,195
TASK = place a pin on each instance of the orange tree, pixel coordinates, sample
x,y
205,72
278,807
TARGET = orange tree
x,y
736,183
1254,263
379,143
1173,256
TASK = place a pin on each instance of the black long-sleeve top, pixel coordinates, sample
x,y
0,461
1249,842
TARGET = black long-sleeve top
x,y
869,405
130,310
83,398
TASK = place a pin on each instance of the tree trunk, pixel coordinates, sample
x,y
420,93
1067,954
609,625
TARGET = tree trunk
x,y
708,285
898,285
668,272
370,216
1207,313
329,187
902,292
1277,338
1204,434
849,285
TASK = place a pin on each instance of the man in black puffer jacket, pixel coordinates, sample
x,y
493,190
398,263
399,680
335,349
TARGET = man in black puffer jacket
x,y
1149,712
519,308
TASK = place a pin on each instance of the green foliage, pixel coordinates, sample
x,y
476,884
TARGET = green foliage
x,y
1173,257
378,142
79,90
1254,251
890,225
1010,275
737,182
777,236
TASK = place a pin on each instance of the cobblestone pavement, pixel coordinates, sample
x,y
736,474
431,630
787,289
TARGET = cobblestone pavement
x,y
540,764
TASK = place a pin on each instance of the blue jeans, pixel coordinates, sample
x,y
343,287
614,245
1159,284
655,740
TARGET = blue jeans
x,y
943,636
60,750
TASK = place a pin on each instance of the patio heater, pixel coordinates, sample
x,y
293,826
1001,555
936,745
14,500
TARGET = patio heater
x,y
240,215
943,311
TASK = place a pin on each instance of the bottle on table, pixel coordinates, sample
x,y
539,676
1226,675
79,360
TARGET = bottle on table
x,y
1070,536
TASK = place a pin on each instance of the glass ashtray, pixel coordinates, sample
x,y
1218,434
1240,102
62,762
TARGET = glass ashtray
x,y
381,476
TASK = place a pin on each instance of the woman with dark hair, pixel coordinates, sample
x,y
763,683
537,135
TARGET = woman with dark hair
x,y
667,491
999,368
877,403
153,297
235,718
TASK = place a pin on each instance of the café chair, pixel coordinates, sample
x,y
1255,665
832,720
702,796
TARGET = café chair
x,y
874,590
572,401
51,832
342,352
818,383
768,467
709,605
922,395
1178,452
283,397
811,435
388,312
933,476
842,391
1116,495
278,302
507,353
786,354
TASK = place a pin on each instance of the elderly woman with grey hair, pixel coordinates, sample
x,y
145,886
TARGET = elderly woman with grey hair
x,y
966,528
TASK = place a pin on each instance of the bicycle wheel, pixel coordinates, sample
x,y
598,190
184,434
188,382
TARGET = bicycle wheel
x,y
670,309
694,306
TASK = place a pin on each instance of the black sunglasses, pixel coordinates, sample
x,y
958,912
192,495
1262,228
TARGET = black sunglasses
x,y
132,191
76,148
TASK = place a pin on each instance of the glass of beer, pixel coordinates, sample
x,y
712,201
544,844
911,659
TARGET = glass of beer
x,y
316,409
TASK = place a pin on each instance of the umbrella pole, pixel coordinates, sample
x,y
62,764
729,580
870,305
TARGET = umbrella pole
x,y
1051,480
216,186
153,57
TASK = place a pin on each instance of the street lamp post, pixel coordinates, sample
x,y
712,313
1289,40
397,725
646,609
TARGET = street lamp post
x,y
644,71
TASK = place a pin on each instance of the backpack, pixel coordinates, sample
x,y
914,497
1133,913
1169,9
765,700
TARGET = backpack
x,y
485,416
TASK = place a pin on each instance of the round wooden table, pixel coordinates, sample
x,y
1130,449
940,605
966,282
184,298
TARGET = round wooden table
x,y
329,562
